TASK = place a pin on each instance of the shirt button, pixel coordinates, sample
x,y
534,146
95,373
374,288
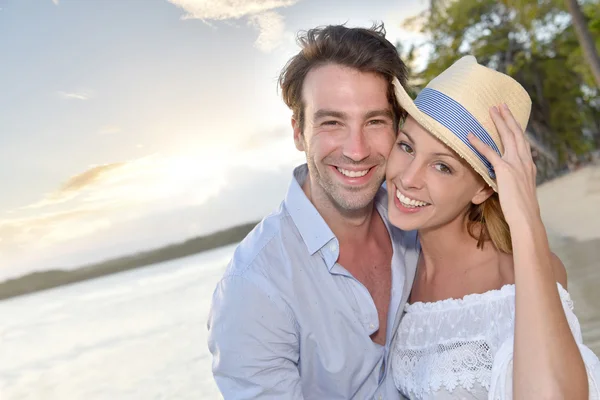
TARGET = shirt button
x,y
333,247
372,326
380,397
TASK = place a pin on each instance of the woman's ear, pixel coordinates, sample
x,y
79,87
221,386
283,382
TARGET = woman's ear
x,y
482,194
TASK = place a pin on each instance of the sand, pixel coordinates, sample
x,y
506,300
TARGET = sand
x,y
570,208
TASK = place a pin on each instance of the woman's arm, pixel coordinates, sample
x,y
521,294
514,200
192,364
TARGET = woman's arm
x,y
547,363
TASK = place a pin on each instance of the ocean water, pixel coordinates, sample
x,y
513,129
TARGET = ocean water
x,y
140,334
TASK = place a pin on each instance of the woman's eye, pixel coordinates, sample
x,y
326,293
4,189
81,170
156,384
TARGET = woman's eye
x,y
406,148
443,168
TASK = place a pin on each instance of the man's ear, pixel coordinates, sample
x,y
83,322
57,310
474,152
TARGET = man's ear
x,y
298,136
482,194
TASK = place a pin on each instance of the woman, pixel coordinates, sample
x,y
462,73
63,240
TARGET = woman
x,y
489,315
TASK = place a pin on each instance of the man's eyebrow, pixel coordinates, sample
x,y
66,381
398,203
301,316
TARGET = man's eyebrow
x,y
380,113
322,113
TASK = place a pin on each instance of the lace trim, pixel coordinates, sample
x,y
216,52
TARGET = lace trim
x,y
505,291
453,342
417,372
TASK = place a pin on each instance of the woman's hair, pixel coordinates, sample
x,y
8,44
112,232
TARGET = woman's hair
x,y
485,222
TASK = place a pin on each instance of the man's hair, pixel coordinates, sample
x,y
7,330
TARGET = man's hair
x,y
366,50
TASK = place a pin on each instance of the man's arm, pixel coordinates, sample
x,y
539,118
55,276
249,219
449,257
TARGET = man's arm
x,y
254,343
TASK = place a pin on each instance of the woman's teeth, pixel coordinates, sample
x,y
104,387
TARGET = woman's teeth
x,y
353,174
407,202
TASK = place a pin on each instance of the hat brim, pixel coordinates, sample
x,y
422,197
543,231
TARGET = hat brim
x,y
442,133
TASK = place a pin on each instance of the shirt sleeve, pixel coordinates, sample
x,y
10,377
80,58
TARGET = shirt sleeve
x,y
502,369
254,343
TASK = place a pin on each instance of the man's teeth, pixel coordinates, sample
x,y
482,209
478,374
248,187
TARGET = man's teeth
x,y
353,174
407,202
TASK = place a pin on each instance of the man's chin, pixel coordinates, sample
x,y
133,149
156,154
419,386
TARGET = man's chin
x,y
354,198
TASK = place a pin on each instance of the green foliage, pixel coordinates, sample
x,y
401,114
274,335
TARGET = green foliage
x,y
534,42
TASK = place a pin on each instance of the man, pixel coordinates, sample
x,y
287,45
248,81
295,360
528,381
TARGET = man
x,y
310,301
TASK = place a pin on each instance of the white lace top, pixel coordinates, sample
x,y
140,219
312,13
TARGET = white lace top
x,y
462,349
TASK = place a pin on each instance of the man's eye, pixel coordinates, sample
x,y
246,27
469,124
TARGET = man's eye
x,y
376,122
330,123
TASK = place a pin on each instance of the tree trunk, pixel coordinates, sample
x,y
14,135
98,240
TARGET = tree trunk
x,y
585,39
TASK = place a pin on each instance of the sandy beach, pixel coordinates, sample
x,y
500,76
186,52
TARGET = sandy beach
x,y
570,208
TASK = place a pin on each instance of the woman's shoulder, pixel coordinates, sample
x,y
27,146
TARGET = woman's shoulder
x,y
467,302
488,316
482,301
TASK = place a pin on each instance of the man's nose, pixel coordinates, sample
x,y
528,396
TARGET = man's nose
x,y
356,146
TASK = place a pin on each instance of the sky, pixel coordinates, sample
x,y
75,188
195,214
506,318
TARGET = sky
x,y
129,124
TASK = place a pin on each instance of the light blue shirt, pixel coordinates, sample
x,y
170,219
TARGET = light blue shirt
x,y
288,322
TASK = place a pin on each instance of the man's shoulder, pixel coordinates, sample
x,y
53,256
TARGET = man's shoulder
x,y
263,249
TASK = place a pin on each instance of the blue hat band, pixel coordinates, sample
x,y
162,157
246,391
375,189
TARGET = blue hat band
x,y
457,119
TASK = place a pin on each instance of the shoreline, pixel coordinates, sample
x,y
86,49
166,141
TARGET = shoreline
x,y
50,279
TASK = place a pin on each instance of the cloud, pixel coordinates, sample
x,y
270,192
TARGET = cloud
x,y
31,240
271,28
76,184
260,14
88,177
121,207
72,238
219,10
156,180
74,96
35,232
109,130
263,138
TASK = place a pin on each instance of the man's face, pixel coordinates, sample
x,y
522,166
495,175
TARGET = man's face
x,y
348,134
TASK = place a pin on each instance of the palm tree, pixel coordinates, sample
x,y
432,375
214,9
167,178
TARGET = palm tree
x,y
585,39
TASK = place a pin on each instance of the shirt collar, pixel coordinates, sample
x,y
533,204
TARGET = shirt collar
x,y
381,203
312,227
310,224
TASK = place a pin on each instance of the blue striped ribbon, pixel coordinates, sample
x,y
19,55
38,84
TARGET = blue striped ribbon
x,y
457,119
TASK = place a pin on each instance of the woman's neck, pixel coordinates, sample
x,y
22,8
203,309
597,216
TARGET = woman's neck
x,y
448,247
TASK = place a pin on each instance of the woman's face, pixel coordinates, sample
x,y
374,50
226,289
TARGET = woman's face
x,y
429,185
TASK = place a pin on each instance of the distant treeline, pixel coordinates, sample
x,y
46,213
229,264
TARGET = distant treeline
x,y
52,278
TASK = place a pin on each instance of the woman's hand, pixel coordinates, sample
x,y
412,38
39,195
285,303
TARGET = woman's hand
x,y
515,169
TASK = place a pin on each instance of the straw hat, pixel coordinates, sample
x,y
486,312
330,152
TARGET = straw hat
x,y
458,101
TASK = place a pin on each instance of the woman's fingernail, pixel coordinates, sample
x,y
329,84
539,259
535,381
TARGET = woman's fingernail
x,y
505,106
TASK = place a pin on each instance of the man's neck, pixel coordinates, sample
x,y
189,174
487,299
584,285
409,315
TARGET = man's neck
x,y
349,226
